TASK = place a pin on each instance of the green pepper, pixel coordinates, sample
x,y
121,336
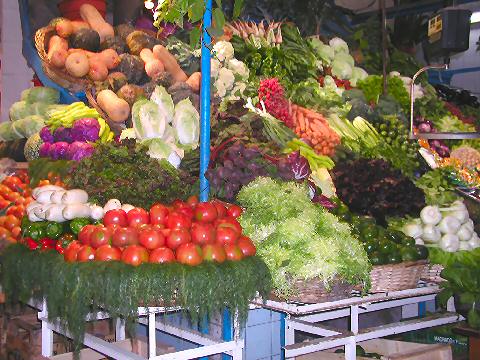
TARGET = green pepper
x,y
54,230
36,231
77,224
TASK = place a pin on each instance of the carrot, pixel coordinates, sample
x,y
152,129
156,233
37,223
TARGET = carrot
x,y
301,121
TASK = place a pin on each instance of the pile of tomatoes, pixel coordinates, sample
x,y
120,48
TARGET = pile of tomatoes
x,y
185,232
14,197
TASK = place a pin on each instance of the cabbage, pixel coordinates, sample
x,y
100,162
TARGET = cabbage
x,y
7,133
357,74
28,125
325,52
159,149
19,110
38,108
148,120
162,98
186,123
341,69
44,95
346,58
339,45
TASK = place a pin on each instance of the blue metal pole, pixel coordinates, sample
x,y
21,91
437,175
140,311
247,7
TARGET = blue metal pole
x,y
227,330
205,102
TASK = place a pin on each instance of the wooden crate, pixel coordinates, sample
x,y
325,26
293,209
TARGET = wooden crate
x,y
390,350
141,344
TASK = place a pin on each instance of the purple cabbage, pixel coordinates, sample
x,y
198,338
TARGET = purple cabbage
x,y
46,135
86,129
63,134
58,150
78,150
44,150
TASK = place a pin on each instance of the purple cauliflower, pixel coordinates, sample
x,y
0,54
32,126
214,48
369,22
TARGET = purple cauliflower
x,y
44,150
46,135
86,129
63,134
78,150
58,150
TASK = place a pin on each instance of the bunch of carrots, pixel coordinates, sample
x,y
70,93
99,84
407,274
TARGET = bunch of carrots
x,y
312,126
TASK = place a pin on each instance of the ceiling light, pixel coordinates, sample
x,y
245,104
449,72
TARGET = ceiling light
x,y
475,18
149,4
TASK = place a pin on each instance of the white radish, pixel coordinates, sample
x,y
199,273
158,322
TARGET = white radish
x,y
74,211
112,204
96,212
41,211
33,218
55,213
40,189
57,196
127,207
32,206
44,197
75,196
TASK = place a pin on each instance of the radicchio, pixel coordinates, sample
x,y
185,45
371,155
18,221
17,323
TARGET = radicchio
x,y
299,165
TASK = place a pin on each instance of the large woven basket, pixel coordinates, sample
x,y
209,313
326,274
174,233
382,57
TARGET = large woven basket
x,y
396,277
431,274
314,291
59,76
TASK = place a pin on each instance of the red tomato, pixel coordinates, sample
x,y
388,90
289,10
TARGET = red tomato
x,y
115,217
192,200
187,211
85,233
11,210
4,233
17,211
108,253
20,201
4,189
100,236
11,222
214,252
16,231
189,254
4,204
123,237
177,220
138,216
12,182
166,232
247,246
226,236
234,211
12,196
151,239
158,214
85,253
162,255
221,209
229,222
178,204
233,252
205,212
178,237
71,252
203,233
134,255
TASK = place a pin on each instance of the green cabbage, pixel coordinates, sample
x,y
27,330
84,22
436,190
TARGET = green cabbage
x,y
186,123
345,57
325,52
341,69
44,95
159,149
19,110
339,45
164,101
7,133
148,121
28,125
357,74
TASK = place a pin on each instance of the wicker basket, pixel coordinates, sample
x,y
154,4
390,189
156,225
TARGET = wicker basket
x,y
59,76
395,277
114,126
431,274
314,291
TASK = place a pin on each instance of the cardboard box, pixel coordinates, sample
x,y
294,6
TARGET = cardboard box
x,y
390,350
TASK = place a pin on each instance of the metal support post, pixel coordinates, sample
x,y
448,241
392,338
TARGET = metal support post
x,y
152,336
120,330
354,319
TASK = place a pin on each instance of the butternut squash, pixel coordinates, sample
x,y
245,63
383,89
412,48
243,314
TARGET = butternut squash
x,y
64,28
98,70
57,51
153,66
194,81
95,20
170,63
117,109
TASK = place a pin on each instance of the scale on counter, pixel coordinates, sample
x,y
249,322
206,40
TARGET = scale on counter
x,y
448,34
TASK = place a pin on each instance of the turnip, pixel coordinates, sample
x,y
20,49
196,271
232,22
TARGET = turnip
x,y
431,234
413,230
449,243
431,215
449,225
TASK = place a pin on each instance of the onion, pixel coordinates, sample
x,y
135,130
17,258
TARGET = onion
x,y
431,234
449,225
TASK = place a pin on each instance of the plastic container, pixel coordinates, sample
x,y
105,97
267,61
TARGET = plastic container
x,y
70,9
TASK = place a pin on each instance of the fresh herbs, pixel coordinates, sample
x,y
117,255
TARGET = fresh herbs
x,y
438,190
74,290
299,239
372,88
127,173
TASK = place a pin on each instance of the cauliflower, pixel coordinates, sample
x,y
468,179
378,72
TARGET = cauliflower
x,y
223,50
215,67
221,91
238,68
226,76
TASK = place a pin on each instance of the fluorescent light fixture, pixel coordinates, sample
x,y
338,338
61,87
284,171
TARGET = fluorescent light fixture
x,y
149,4
475,18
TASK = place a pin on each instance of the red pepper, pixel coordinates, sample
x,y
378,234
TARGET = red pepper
x,y
59,247
48,243
31,244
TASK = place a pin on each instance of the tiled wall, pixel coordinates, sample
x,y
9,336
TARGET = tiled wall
x,y
16,75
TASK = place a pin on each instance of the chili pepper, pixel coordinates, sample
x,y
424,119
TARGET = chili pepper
x,y
48,243
31,244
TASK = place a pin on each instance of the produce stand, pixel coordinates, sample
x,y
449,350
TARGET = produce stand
x,y
304,317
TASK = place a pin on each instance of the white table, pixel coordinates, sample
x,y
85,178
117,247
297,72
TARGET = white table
x,y
305,318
